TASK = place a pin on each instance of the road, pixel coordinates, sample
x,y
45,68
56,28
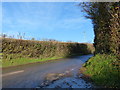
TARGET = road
x,y
31,75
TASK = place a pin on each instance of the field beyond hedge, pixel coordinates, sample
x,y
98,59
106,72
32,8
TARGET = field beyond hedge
x,y
17,51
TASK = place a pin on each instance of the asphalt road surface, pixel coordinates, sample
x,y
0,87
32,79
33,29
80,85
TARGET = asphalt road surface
x,y
31,75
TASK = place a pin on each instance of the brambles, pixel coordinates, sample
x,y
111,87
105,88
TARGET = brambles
x,y
104,70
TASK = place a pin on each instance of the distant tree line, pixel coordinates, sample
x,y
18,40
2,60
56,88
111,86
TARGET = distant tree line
x,y
23,37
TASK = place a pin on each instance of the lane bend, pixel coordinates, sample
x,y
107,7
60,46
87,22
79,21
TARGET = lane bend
x,y
31,75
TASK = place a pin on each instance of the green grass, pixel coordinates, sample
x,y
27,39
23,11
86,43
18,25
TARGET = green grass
x,y
22,61
26,60
103,70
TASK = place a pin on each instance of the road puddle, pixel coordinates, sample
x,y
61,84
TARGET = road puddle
x,y
68,79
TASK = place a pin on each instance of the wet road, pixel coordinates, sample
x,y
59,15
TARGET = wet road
x,y
31,75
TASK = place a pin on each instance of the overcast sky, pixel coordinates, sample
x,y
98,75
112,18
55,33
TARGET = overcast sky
x,y
62,21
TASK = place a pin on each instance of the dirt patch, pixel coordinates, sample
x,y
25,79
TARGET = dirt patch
x,y
52,77
83,76
65,80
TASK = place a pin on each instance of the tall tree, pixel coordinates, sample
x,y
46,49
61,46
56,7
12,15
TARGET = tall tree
x,y
105,17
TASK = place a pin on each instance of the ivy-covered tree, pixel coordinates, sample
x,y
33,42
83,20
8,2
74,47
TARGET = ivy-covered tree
x,y
105,17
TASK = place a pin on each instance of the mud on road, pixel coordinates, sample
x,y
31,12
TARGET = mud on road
x,y
68,79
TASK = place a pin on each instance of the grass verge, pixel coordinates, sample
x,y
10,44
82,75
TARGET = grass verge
x,y
103,70
22,61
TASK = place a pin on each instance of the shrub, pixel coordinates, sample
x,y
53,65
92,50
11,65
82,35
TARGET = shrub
x,y
103,70
17,48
